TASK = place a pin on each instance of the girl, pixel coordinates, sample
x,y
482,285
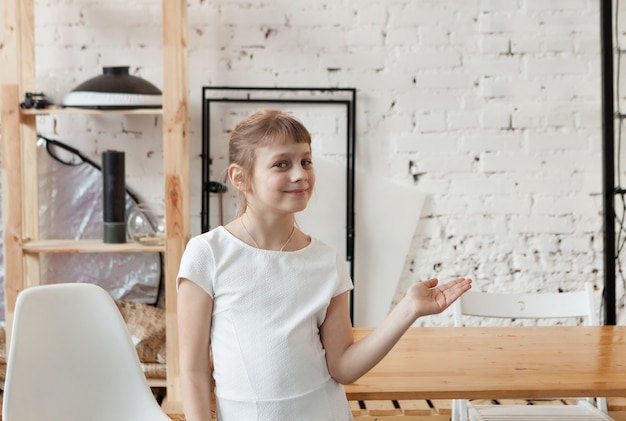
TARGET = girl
x,y
269,303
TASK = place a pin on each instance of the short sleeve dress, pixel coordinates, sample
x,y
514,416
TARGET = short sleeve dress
x,y
269,362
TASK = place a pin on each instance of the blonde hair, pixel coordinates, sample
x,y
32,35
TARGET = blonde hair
x,y
262,128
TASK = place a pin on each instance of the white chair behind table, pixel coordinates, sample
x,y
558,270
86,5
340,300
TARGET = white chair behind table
x,y
71,358
577,304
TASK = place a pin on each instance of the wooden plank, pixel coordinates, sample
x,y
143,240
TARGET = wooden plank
x,y
571,401
156,382
55,109
87,246
492,401
176,172
10,32
546,402
442,406
356,409
28,139
617,416
377,408
500,401
416,407
616,404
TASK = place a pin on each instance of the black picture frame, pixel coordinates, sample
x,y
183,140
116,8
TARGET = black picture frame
x,y
346,97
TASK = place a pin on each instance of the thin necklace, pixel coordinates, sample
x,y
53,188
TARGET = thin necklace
x,y
293,231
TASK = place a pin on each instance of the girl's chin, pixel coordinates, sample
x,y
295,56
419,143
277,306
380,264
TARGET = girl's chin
x,y
301,206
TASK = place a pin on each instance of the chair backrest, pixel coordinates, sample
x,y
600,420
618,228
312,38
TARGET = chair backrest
x,y
564,305
71,358
575,304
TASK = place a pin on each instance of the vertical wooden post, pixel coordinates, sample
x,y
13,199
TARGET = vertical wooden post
x,y
176,169
18,137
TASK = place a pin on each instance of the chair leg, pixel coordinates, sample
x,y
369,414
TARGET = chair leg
x,y
459,410
455,411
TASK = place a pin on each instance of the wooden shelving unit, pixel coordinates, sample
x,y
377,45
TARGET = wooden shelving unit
x,y
87,246
22,245
55,109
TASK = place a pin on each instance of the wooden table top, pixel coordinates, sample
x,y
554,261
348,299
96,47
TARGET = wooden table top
x,y
498,362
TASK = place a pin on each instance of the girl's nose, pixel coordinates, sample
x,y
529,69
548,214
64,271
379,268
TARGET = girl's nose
x,y
298,173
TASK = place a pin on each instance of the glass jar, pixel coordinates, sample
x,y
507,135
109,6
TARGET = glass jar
x,y
146,224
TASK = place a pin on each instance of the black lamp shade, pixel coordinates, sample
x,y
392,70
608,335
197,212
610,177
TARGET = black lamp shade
x,y
115,88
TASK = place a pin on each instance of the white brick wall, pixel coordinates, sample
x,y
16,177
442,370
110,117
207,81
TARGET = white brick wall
x,y
497,103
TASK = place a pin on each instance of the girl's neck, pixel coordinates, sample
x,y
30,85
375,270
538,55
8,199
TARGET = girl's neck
x,y
268,234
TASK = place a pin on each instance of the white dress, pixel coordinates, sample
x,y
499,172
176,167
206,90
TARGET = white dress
x,y
269,363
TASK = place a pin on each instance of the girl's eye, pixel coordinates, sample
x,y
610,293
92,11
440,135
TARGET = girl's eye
x,y
306,162
280,165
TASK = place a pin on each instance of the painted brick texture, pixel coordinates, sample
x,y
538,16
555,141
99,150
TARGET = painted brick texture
x,y
496,102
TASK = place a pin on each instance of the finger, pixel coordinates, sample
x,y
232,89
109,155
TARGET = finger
x,y
466,283
460,288
460,284
463,281
455,283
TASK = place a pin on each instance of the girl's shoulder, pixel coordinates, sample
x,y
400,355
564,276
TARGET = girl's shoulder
x,y
318,248
207,235
210,238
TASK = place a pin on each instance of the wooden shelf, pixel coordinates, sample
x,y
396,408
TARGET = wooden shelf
x,y
20,179
55,109
87,246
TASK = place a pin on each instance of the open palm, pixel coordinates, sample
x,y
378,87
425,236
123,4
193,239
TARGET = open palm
x,y
429,297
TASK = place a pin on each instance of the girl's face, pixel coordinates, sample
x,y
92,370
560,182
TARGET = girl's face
x,y
282,178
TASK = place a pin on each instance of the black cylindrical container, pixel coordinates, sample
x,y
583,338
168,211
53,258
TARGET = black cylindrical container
x,y
114,197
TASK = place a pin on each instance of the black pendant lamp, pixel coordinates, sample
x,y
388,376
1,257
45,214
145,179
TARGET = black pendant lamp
x,y
115,88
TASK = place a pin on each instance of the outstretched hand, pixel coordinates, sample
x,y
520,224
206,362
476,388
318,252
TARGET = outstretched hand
x,y
429,298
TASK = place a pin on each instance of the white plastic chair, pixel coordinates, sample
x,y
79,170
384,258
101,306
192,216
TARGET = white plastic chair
x,y
577,304
71,358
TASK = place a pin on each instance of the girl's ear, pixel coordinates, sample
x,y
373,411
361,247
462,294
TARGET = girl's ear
x,y
237,177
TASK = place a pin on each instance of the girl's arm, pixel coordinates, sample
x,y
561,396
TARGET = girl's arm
x,y
348,360
194,310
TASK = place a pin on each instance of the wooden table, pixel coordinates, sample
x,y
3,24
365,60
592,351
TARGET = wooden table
x,y
498,362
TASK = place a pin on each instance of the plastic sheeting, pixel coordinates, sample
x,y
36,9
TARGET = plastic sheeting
x,y
70,207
